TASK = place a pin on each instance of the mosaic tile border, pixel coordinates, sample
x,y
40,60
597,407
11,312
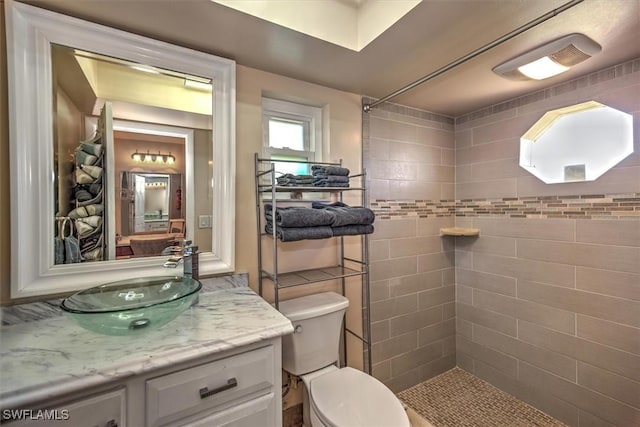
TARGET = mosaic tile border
x,y
591,206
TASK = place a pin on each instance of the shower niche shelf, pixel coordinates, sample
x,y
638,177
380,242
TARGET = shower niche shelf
x,y
459,231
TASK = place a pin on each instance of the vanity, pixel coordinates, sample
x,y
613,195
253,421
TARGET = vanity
x,y
219,363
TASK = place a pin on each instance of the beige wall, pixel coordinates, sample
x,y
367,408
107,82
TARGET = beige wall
x,y
410,162
548,307
342,119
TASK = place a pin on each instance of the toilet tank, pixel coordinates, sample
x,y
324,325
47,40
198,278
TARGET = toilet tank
x,y
317,321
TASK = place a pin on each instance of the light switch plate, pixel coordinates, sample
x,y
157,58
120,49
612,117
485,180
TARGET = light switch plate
x,y
204,221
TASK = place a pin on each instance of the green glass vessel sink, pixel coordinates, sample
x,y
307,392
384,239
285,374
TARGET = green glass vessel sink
x,y
132,306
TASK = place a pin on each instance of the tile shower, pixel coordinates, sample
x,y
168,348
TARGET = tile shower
x,y
545,304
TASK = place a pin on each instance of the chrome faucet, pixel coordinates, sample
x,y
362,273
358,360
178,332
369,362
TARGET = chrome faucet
x,y
188,254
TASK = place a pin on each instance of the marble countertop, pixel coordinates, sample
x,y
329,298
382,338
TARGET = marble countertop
x,y
47,358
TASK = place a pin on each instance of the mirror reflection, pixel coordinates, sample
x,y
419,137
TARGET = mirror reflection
x,y
120,176
576,143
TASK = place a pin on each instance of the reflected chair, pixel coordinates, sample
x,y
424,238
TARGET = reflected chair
x,y
176,227
149,246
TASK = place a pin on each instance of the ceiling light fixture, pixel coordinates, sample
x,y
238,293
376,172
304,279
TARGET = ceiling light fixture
x,y
549,59
159,158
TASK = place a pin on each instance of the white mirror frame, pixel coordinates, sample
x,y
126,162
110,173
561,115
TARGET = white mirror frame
x,y
30,33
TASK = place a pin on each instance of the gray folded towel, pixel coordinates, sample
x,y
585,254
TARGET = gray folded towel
x,y
347,215
329,170
325,183
299,217
352,230
291,234
331,178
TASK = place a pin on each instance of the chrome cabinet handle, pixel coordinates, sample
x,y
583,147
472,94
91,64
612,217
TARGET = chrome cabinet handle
x,y
205,392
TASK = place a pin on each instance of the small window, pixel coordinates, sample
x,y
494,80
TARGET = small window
x,y
291,132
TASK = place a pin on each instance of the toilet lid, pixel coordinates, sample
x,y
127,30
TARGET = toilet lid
x,y
348,397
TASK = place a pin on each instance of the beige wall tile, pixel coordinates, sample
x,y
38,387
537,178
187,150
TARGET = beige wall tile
x,y
448,157
490,319
557,408
378,250
619,362
608,333
549,317
404,381
448,276
385,169
413,359
434,173
548,360
394,346
432,226
617,258
414,246
464,259
414,190
527,269
437,367
436,332
498,169
463,138
379,148
396,228
381,270
606,408
379,290
503,246
437,296
511,129
414,321
464,362
590,420
414,283
406,152
604,307
504,149
503,363
449,310
463,173
392,307
609,384
489,282
544,229
621,233
435,137
382,371
486,189
379,189
392,130
464,328
614,283
436,261
380,331
464,294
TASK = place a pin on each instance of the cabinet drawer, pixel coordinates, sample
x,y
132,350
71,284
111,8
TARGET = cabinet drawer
x,y
255,412
217,384
104,410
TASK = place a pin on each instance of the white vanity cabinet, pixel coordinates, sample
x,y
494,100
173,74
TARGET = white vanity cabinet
x,y
240,387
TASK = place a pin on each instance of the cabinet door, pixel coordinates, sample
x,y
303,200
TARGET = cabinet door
x,y
104,410
256,412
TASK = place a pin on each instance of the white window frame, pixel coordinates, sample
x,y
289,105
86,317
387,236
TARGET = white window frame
x,y
285,110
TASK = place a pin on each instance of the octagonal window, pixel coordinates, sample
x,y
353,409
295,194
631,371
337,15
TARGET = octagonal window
x,y
576,143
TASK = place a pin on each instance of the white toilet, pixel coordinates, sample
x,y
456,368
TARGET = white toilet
x,y
333,397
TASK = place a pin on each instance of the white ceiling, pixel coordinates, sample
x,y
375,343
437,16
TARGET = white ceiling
x,y
433,34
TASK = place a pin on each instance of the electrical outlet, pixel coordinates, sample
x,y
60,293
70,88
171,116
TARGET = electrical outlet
x,y
204,221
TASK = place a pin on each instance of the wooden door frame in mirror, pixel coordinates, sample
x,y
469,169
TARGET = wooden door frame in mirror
x,y
30,33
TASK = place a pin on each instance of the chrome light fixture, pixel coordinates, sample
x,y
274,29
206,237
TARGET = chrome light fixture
x,y
159,158
549,59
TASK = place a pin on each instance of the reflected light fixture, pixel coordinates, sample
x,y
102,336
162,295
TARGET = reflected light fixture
x,y
549,59
198,85
159,158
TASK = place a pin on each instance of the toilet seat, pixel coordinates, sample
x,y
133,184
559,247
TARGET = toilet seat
x,y
348,397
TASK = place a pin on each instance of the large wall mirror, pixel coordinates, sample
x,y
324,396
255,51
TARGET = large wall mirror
x,y
115,139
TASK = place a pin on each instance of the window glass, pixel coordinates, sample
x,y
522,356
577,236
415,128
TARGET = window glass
x,y
286,134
